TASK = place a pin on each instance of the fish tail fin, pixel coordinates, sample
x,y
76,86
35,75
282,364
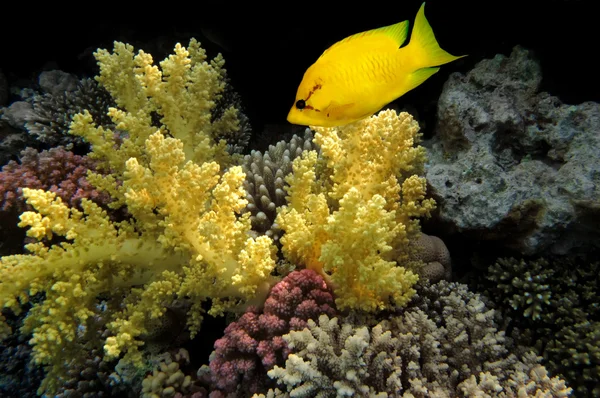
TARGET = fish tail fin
x,y
423,49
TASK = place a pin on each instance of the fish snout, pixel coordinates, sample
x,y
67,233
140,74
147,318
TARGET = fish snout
x,y
295,116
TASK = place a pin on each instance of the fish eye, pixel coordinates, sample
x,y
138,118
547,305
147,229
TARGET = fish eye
x,y
300,104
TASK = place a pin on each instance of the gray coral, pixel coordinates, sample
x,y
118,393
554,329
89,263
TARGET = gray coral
x,y
47,114
19,376
265,181
524,287
445,344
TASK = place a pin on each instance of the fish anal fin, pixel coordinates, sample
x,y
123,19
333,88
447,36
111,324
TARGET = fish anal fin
x,y
418,77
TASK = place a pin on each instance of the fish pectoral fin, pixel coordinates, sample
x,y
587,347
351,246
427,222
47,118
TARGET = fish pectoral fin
x,y
335,108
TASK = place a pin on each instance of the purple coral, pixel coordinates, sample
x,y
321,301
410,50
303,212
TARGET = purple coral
x,y
253,344
56,170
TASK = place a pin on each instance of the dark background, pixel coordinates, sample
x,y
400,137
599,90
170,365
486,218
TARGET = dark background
x,y
267,48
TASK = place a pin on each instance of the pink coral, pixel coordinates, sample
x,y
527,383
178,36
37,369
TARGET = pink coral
x,y
56,170
253,345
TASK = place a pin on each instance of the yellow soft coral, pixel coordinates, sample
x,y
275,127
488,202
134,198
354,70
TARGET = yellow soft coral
x,y
182,92
185,238
346,228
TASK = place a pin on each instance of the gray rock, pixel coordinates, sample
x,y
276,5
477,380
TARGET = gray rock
x,y
12,142
57,82
47,114
18,113
510,165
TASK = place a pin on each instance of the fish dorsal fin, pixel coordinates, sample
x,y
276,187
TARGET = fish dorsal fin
x,y
392,36
398,32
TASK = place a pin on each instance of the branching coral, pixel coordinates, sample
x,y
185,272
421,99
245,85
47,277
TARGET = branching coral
x,y
183,91
553,306
347,223
185,239
52,113
47,114
414,354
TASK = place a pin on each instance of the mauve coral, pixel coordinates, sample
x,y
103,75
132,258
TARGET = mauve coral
x,y
252,345
56,170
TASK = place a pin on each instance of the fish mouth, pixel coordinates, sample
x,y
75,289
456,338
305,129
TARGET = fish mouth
x,y
294,117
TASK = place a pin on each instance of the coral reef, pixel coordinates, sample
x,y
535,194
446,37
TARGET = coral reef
x,y
252,345
365,203
446,343
313,248
513,166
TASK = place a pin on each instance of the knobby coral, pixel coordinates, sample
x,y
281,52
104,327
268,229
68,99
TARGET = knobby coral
x,y
186,237
265,181
347,223
252,345
56,170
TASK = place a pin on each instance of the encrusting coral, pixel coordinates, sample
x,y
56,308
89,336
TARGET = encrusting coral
x,y
185,238
433,253
366,203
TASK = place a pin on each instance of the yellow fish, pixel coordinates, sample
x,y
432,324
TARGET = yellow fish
x,y
359,75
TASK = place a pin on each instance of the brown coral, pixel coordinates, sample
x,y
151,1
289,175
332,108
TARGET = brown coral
x,y
433,253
